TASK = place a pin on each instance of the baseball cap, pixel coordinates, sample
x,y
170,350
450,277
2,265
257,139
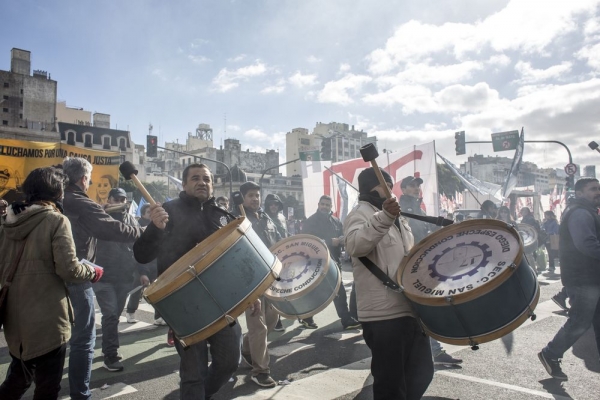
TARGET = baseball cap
x,y
410,179
117,192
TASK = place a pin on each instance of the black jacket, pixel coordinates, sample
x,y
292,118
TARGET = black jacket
x,y
576,268
325,227
412,205
117,257
278,219
90,222
190,222
264,227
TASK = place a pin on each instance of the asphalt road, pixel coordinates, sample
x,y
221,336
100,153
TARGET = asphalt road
x,y
329,363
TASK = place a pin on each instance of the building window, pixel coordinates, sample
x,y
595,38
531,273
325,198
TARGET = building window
x,y
5,84
87,141
5,110
106,143
305,142
122,146
21,116
4,122
71,138
5,97
21,103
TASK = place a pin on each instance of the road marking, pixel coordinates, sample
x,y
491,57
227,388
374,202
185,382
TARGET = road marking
x,y
545,395
112,391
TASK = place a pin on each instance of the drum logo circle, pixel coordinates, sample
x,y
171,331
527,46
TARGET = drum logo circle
x,y
462,260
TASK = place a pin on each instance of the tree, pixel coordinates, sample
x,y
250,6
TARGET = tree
x,y
448,182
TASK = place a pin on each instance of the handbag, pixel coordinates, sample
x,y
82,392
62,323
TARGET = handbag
x,y
6,286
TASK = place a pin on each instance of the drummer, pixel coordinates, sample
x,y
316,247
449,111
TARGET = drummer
x,y
178,226
401,364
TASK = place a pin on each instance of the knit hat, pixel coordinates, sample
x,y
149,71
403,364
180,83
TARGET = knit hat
x,y
367,180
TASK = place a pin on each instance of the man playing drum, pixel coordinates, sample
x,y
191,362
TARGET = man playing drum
x,y
177,226
401,365
254,346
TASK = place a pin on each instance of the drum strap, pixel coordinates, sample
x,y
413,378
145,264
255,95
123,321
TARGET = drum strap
x,y
375,270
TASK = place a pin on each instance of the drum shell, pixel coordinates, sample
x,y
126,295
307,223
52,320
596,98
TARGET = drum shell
x,y
306,302
528,236
229,271
488,317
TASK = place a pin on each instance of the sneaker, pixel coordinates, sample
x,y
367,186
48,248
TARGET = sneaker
x,y
113,365
351,324
160,321
560,301
247,359
118,357
170,338
264,380
445,358
279,326
130,318
552,366
308,323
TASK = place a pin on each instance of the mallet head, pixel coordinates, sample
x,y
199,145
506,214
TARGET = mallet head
x,y
127,169
369,152
593,145
237,197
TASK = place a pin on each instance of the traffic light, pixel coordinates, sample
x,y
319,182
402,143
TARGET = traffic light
x,y
326,149
459,140
151,143
570,182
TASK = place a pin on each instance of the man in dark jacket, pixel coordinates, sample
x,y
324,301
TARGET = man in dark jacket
x,y
488,209
579,254
177,227
119,265
410,202
89,222
327,227
254,346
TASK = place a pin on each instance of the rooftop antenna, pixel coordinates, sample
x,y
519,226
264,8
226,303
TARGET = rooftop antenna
x,y
224,128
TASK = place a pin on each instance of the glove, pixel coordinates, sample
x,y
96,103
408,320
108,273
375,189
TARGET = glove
x,y
99,271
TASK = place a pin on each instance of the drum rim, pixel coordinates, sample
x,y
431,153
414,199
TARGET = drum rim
x,y
318,279
316,310
470,295
170,281
235,312
493,335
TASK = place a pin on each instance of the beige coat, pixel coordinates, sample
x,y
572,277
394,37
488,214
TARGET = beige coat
x,y
371,232
39,313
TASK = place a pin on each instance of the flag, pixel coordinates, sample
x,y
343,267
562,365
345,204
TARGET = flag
x,y
178,184
133,207
138,211
473,183
513,174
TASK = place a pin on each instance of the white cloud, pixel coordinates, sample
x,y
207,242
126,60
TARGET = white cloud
x,y
198,59
196,43
338,91
313,60
344,67
591,54
229,79
431,74
273,89
256,134
531,75
238,58
499,60
299,80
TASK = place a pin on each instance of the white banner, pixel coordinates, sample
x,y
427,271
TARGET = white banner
x,y
319,178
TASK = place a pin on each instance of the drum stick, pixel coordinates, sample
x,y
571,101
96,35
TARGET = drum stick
x,y
238,200
130,173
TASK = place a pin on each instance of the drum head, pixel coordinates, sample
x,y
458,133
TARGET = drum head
x,y
304,263
460,262
528,235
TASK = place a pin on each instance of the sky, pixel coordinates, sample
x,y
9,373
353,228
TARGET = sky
x,y
406,71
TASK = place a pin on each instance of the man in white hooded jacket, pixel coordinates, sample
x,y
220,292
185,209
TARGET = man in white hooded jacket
x,y
401,364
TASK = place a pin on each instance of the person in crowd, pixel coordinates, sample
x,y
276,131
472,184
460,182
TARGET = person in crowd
x,y
579,255
401,364
89,223
177,227
550,226
410,202
150,269
9,194
37,239
254,345
223,202
488,210
504,215
329,228
111,293
274,208
3,207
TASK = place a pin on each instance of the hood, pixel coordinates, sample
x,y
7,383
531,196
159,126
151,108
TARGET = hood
x,y
273,198
18,226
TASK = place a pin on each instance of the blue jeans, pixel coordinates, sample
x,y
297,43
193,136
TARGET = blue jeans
x,y
401,362
584,312
436,347
83,339
198,380
111,299
46,371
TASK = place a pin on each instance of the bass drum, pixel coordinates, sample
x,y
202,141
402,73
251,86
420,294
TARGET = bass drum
x,y
212,284
529,237
309,279
470,282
